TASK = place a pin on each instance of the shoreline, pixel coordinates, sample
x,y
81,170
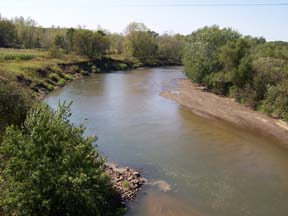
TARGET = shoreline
x,y
214,107
83,69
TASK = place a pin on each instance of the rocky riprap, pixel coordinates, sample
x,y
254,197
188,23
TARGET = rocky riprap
x,y
125,180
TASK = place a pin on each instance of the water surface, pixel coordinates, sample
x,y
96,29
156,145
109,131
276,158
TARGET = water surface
x,y
213,169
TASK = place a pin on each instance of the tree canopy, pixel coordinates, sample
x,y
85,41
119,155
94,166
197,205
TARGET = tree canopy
x,y
49,168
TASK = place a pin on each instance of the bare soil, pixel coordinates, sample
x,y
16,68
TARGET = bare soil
x,y
212,106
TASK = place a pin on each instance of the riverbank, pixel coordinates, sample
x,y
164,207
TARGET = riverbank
x,y
36,70
212,106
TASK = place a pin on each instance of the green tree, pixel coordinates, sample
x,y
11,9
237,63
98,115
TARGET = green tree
x,y
15,102
116,43
89,43
170,48
60,42
140,42
26,30
201,51
7,33
70,35
276,101
49,168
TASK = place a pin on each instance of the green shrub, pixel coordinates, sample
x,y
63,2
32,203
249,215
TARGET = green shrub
x,y
54,77
55,52
55,68
68,76
276,101
94,69
84,73
123,66
61,82
75,68
15,101
49,168
47,86
126,184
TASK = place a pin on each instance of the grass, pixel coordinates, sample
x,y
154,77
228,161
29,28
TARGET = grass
x,y
126,184
27,62
21,54
39,69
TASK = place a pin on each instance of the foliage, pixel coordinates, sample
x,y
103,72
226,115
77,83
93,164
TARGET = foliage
x,y
56,52
140,42
201,49
276,101
252,70
170,48
15,102
49,168
60,42
89,43
7,33
20,54
27,32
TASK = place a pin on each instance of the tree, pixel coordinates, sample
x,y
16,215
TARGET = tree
x,y
201,49
276,101
49,168
170,48
15,102
89,43
7,33
26,30
70,35
140,42
60,42
116,43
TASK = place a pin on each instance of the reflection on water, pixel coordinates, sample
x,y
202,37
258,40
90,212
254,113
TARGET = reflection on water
x,y
212,168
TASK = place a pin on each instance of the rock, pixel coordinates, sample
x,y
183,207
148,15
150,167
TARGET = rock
x,y
121,177
136,174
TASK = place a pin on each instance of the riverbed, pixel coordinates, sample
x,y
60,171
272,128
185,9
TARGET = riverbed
x,y
195,166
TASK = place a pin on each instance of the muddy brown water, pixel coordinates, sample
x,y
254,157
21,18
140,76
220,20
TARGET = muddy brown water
x,y
195,166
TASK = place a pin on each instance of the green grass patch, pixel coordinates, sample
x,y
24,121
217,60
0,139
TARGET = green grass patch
x,y
21,54
126,184
61,82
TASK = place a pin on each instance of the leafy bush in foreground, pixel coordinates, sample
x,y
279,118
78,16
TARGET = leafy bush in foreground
x,y
48,168
15,102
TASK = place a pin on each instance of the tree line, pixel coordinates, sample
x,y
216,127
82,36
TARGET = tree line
x,y
137,41
252,70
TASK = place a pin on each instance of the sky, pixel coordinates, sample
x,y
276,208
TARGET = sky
x,y
182,16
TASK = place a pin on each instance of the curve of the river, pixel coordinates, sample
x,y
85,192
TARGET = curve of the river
x,y
195,167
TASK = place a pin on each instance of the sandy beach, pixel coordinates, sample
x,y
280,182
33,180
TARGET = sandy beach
x,y
212,106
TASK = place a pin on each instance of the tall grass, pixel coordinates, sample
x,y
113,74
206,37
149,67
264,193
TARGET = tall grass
x,y
21,54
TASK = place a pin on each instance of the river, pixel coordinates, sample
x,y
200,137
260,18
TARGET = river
x,y
212,169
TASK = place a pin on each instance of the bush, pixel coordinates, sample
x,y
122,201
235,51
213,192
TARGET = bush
x,y
276,102
54,77
123,66
201,51
61,82
15,102
68,76
55,52
94,69
48,168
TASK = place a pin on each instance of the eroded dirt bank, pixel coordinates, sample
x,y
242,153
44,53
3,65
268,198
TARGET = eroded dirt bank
x,y
211,106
